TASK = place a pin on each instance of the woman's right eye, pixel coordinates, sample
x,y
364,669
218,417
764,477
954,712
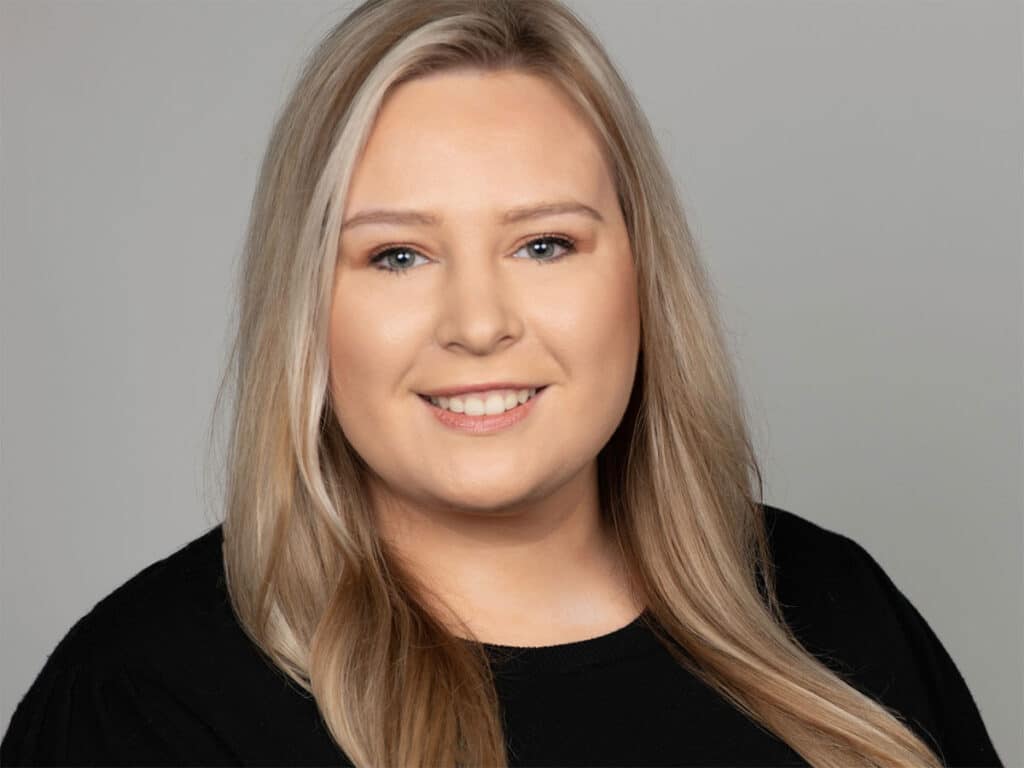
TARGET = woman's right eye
x,y
378,259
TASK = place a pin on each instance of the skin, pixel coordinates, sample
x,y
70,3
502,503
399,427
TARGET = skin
x,y
504,527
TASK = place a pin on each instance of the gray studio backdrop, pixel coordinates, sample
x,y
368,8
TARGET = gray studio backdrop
x,y
852,172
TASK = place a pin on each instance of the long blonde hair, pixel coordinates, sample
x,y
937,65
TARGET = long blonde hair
x,y
311,582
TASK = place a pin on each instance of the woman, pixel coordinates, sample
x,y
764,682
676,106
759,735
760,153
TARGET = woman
x,y
481,513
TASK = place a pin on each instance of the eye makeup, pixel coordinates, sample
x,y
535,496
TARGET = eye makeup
x,y
379,256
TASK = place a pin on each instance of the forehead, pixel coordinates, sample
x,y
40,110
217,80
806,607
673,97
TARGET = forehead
x,y
478,138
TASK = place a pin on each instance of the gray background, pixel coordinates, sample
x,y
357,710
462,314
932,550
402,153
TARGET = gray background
x,y
852,172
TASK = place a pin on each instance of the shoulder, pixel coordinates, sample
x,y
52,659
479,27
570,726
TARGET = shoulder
x,y
111,690
799,543
846,610
833,599
168,602
838,600
160,672
822,574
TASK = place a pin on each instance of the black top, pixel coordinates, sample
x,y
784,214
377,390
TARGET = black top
x,y
160,673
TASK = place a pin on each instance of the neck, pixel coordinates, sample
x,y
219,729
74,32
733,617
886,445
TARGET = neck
x,y
534,574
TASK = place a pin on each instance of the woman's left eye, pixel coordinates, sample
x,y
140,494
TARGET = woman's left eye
x,y
379,259
568,244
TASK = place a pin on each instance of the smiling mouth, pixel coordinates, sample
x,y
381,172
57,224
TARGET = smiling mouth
x,y
435,402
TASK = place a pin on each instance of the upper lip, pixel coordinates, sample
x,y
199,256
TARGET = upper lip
x,y
462,390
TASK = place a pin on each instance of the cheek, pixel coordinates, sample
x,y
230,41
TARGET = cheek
x,y
363,348
592,326
615,340
602,322
615,348
348,349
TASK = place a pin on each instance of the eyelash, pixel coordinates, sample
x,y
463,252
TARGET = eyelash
x,y
566,242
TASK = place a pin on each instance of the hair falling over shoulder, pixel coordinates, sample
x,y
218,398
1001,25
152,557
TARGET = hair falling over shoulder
x,y
311,582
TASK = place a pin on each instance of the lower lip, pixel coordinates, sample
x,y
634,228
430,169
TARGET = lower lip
x,y
483,424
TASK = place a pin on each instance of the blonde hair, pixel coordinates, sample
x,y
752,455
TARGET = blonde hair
x,y
309,579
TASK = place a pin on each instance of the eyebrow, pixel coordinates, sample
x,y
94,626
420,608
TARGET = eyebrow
x,y
423,218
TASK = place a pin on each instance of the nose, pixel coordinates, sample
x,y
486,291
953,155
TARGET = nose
x,y
479,306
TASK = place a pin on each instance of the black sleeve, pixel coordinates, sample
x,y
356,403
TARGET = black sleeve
x,y
96,711
953,719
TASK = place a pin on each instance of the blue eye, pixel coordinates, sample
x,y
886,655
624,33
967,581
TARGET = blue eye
x,y
379,259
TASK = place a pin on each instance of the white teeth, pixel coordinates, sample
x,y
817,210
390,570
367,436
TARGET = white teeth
x,y
485,403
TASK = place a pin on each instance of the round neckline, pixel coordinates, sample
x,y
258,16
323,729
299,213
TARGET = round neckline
x,y
632,639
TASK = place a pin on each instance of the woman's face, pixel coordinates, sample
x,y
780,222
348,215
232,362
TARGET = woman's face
x,y
474,298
